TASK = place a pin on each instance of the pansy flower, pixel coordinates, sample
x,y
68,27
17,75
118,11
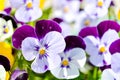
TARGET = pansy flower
x,y
72,59
40,45
6,60
66,9
95,7
19,75
67,29
27,10
6,26
97,44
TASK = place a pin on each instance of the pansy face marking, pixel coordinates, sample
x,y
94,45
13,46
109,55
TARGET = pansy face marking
x,y
65,63
42,51
29,5
100,3
87,22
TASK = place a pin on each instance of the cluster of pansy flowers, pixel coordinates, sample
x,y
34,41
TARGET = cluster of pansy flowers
x,y
77,37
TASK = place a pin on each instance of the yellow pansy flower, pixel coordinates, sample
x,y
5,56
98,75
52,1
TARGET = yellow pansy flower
x,y
6,50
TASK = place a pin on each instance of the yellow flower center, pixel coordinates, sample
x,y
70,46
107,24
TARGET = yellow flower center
x,y
42,51
87,22
65,62
102,49
66,9
29,5
118,15
100,3
6,30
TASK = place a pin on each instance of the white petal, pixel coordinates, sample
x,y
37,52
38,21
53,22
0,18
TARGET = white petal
x,y
91,45
115,65
54,60
109,36
58,72
97,60
72,72
17,3
107,58
55,41
29,45
40,65
108,74
24,15
2,73
78,55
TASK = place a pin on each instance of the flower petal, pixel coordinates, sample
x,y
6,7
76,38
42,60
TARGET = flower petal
x,y
91,45
55,42
5,62
18,75
20,34
105,25
44,26
2,73
108,74
28,14
40,65
17,4
115,46
72,72
29,48
88,31
109,36
54,60
78,55
97,60
73,42
6,51
115,65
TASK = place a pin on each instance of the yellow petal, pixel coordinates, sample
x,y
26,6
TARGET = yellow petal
x,y
118,15
7,76
2,5
41,5
6,50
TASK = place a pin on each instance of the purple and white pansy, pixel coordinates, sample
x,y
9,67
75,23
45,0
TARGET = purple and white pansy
x,y
72,59
27,10
7,23
40,45
98,46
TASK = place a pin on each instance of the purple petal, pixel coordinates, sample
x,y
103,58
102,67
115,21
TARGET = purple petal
x,y
19,75
20,34
115,46
8,10
105,67
88,31
58,20
105,25
44,26
73,42
5,62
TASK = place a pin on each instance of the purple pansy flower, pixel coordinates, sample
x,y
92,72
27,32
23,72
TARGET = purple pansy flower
x,y
72,59
40,45
97,46
19,75
27,10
